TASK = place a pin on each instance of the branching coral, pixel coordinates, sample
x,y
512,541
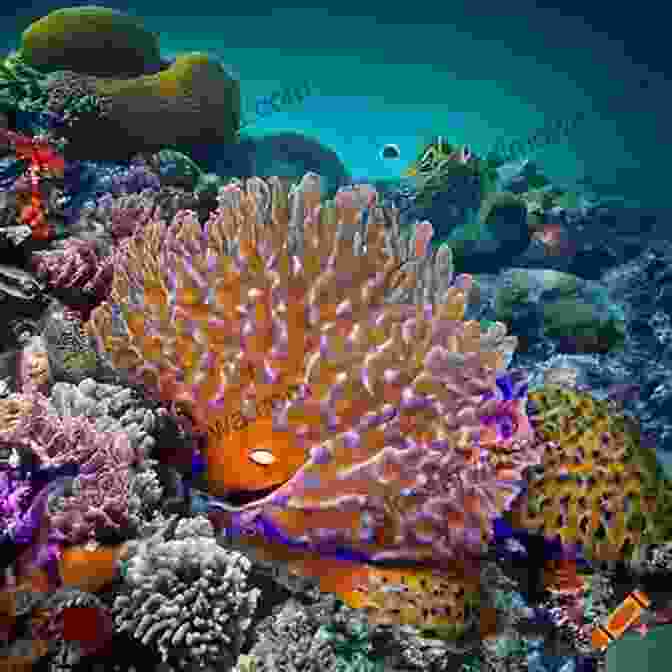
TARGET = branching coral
x,y
100,500
123,207
320,352
21,87
111,408
600,488
188,597
75,265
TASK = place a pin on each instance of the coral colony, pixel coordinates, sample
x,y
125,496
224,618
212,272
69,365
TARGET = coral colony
x,y
245,417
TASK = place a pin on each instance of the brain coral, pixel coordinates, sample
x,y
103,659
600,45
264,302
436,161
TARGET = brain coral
x,y
599,488
322,355
193,102
91,40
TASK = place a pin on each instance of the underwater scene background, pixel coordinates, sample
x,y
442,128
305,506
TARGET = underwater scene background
x,y
335,339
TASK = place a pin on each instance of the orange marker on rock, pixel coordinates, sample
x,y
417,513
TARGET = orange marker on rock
x,y
627,613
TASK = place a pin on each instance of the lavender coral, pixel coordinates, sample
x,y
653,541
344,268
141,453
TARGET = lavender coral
x,y
328,359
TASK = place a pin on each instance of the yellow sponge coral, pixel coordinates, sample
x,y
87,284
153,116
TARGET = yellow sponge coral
x,y
599,487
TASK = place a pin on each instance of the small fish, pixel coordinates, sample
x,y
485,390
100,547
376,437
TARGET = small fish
x,y
555,239
390,152
435,156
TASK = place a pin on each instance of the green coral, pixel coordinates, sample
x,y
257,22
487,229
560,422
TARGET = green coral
x,y
473,664
352,649
208,185
451,172
501,219
21,87
576,319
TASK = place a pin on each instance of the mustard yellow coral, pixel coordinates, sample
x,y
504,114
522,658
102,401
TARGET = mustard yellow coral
x,y
446,602
599,487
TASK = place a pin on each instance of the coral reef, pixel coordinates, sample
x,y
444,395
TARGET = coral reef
x,y
21,87
34,371
111,218
299,359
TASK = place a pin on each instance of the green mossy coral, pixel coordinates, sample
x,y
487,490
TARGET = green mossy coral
x,y
578,320
599,487
91,40
193,103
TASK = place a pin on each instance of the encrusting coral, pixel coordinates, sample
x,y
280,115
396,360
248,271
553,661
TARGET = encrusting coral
x,y
600,489
71,354
319,354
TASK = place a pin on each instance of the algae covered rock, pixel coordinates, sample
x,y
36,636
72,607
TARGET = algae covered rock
x,y
492,237
576,314
284,154
91,40
175,169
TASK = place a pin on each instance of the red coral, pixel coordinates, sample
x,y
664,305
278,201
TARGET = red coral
x,y
43,161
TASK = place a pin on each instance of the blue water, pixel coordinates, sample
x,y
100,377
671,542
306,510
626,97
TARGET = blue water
x,y
474,72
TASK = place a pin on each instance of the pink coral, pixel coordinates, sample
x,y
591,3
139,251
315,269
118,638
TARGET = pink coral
x,y
105,459
76,265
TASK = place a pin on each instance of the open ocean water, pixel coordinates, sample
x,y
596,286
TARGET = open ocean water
x,y
477,73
